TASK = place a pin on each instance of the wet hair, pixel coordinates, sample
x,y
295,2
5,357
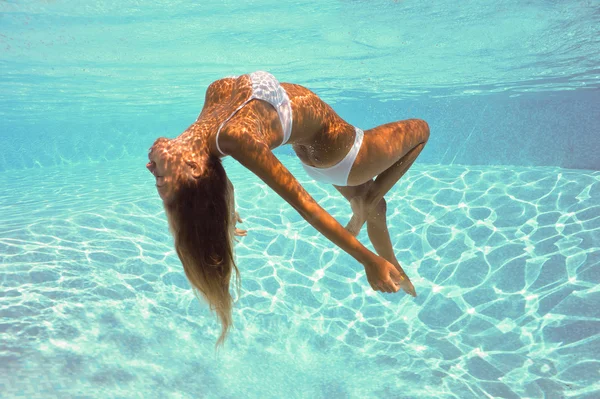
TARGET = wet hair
x,y
200,220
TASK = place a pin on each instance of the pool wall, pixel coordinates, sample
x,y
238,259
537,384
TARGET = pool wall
x,y
532,129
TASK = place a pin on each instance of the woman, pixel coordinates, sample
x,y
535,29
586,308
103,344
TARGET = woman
x,y
246,117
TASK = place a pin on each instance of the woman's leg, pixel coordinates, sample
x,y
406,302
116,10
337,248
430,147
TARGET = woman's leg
x,y
387,152
376,222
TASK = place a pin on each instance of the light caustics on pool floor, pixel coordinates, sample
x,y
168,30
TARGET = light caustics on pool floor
x,y
505,261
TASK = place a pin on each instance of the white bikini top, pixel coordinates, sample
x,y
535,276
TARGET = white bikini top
x,y
267,88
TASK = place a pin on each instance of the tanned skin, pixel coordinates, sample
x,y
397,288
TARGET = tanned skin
x,y
320,138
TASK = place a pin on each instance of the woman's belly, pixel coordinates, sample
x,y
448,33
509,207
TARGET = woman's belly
x,y
326,149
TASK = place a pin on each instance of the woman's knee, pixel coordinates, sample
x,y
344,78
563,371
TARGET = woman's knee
x,y
423,129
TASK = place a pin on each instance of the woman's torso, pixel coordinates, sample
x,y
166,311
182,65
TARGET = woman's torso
x,y
319,136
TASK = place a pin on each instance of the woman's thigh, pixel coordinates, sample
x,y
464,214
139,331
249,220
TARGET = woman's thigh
x,y
384,145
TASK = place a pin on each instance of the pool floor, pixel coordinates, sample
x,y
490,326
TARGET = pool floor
x,y
505,260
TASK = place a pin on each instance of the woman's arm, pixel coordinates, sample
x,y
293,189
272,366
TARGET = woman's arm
x,y
235,216
258,158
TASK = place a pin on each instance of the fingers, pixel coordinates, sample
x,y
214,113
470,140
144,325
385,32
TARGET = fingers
x,y
390,280
374,287
397,279
389,286
238,219
396,282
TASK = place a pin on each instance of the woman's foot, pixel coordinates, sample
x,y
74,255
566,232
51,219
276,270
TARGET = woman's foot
x,y
360,213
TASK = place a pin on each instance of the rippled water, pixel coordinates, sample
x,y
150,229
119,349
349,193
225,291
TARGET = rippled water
x,y
505,261
140,54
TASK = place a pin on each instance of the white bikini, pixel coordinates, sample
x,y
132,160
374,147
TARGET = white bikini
x,y
267,88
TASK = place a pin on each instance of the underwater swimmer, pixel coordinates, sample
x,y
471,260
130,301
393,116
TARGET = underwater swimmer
x,y
246,117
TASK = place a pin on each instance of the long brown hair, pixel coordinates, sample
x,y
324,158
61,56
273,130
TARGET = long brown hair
x,y
200,219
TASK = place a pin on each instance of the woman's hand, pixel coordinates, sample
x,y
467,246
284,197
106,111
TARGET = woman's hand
x,y
238,232
385,277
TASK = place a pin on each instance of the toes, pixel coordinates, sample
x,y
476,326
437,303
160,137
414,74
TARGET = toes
x,y
410,289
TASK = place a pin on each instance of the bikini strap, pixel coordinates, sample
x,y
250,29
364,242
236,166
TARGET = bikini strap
x,y
227,120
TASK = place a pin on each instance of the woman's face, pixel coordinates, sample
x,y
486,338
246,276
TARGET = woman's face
x,y
166,164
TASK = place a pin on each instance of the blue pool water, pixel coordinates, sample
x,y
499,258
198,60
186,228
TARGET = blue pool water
x,y
497,223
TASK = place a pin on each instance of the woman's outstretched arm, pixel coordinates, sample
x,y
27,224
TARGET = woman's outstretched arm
x,y
258,158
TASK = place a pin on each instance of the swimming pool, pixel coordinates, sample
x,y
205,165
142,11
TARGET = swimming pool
x,y
497,223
